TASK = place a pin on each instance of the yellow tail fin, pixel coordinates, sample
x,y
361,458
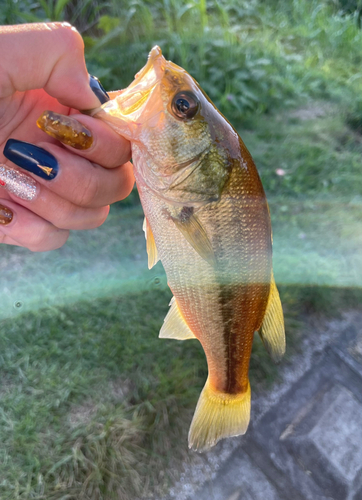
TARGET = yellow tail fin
x,y
218,415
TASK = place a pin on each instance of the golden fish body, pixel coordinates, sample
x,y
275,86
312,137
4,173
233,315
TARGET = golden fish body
x,y
207,220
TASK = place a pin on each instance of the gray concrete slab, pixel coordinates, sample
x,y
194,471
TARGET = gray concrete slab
x,y
240,479
337,435
308,446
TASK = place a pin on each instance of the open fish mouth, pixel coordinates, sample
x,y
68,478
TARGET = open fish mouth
x,y
124,112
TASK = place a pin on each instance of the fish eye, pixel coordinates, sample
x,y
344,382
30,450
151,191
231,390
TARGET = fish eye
x,y
185,105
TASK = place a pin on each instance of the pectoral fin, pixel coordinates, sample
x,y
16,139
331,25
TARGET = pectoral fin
x,y
174,326
272,329
152,253
196,235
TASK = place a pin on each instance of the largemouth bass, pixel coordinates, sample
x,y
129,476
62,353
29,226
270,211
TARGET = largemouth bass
x,y
207,220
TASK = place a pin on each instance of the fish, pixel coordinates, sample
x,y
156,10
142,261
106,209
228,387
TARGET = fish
x,y
207,220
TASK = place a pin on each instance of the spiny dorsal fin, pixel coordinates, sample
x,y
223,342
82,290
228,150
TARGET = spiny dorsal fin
x,y
196,235
174,326
272,329
152,253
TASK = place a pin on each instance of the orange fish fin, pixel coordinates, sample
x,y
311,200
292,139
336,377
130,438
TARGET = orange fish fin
x,y
196,235
174,326
217,416
152,253
272,329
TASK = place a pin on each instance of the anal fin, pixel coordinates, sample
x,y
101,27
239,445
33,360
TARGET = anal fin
x,y
152,253
174,326
272,329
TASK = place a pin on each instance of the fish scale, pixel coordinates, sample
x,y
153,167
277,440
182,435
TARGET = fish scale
x,y
188,287
207,220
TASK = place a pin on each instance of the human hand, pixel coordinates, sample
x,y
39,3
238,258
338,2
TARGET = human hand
x,y
42,68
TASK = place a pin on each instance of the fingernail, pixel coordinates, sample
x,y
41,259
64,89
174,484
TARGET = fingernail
x,y
6,215
98,89
17,183
31,158
66,129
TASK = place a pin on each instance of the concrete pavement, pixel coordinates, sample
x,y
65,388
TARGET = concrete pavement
x,y
308,444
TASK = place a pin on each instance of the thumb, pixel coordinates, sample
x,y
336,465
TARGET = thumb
x,y
49,56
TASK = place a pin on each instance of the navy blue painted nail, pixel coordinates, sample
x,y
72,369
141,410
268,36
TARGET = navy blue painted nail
x,y
31,158
98,89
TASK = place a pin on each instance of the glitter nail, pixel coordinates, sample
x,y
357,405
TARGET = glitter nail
x,y
17,183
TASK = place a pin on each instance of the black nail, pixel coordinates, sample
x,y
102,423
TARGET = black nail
x,y
98,89
31,158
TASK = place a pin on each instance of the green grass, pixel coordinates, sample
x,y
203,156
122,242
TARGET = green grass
x,y
273,54
316,145
93,404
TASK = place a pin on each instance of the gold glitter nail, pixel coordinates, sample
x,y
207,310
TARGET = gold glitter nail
x,y
15,182
66,129
6,215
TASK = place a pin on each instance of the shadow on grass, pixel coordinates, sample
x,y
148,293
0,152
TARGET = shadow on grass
x,y
95,406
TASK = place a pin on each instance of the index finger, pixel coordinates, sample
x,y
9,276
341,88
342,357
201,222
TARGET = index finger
x,y
49,56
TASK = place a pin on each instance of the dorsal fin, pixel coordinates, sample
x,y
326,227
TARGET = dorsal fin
x,y
152,253
272,329
174,326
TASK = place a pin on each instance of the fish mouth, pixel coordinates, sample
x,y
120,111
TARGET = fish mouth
x,y
124,112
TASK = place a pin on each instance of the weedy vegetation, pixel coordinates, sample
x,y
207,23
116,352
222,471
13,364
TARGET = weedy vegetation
x,y
92,405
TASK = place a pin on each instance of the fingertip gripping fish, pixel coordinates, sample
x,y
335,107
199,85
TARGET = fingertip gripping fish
x,y
207,220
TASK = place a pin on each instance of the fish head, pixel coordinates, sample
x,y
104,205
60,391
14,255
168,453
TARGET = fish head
x,y
170,120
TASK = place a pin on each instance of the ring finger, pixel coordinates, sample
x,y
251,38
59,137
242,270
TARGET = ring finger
x,y
70,176
48,205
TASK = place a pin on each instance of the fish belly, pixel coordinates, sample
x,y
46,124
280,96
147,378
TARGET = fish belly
x,y
222,305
